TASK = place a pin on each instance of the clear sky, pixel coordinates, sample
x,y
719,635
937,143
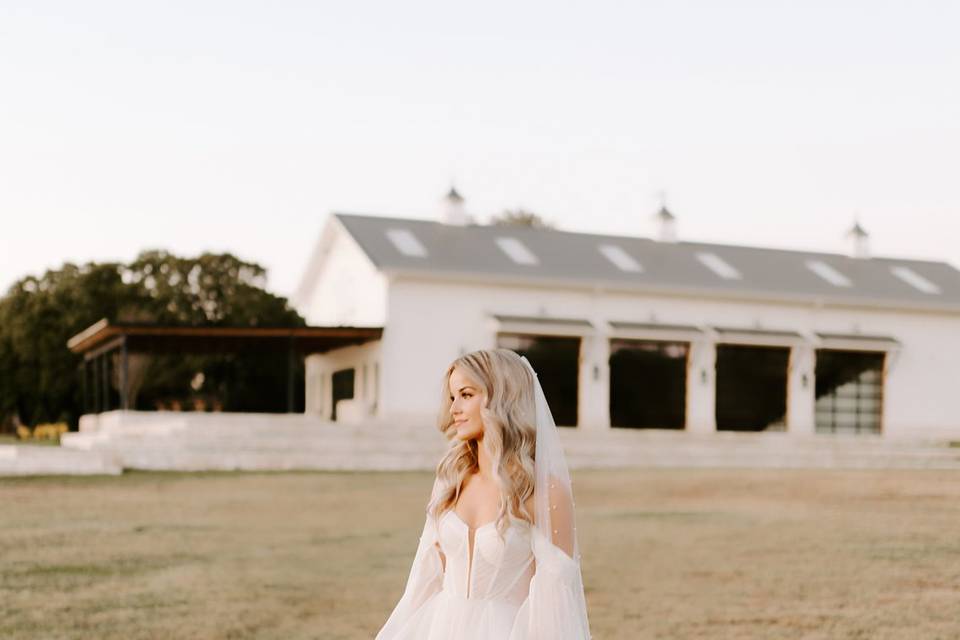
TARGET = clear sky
x,y
238,126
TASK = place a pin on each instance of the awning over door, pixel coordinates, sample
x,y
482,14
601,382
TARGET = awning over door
x,y
856,342
655,331
760,337
542,325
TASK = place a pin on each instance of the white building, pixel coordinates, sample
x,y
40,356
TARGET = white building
x,y
636,332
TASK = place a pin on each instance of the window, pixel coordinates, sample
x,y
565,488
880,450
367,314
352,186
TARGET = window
x,y
828,273
620,258
343,388
406,243
915,280
719,266
516,250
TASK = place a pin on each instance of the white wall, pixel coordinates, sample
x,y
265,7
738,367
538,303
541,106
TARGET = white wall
x,y
342,286
365,359
430,323
923,379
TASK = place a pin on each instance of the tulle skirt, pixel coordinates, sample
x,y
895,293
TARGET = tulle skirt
x,y
445,616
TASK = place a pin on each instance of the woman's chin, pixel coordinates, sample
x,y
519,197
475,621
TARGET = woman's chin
x,y
465,434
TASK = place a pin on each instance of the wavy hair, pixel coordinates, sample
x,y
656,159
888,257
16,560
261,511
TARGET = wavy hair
x,y
509,433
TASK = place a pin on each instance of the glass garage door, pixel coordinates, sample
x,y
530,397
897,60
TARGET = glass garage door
x,y
849,391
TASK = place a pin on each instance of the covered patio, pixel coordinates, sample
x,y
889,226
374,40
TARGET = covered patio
x,y
99,342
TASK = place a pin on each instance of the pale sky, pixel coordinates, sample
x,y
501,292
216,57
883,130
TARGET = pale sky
x,y
238,126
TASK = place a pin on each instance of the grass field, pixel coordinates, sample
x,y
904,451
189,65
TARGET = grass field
x,y
667,554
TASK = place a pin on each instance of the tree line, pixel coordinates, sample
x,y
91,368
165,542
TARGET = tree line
x,y
40,376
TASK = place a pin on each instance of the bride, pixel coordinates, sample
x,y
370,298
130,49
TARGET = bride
x,y
498,557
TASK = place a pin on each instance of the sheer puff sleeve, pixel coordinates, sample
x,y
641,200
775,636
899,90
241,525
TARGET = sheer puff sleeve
x,y
425,580
555,608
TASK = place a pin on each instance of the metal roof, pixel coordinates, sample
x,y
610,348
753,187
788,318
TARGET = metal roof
x,y
566,257
143,337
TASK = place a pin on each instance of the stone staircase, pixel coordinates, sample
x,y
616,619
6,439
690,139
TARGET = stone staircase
x,y
782,450
222,441
256,442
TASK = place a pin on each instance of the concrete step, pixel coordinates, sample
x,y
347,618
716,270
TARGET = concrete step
x,y
253,461
608,449
740,463
262,444
196,441
18,460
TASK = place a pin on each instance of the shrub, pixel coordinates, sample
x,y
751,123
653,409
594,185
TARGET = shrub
x,y
49,430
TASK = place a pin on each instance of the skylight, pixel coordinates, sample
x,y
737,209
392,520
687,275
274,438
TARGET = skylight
x,y
719,266
517,251
915,280
407,243
623,260
828,273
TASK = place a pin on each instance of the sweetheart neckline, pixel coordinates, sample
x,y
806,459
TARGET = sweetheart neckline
x,y
472,542
460,520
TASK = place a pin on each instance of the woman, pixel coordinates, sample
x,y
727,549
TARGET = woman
x,y
498,557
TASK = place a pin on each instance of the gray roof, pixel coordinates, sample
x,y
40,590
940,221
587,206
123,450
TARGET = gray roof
x,y
575,258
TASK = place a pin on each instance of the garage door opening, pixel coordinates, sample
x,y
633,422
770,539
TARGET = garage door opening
x,y
751,387
849,389
648,384
557,363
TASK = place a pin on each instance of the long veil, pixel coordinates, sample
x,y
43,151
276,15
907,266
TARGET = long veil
x,y
555,607
554,504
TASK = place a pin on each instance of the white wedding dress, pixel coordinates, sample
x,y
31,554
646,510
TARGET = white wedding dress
x,y
520,588
523,586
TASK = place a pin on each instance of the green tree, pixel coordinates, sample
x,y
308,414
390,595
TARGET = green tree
x,y
39,378
520,218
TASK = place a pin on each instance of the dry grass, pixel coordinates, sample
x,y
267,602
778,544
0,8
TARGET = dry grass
x,y
667,554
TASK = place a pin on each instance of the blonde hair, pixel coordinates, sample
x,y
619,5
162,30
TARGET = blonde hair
x,y
509,433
